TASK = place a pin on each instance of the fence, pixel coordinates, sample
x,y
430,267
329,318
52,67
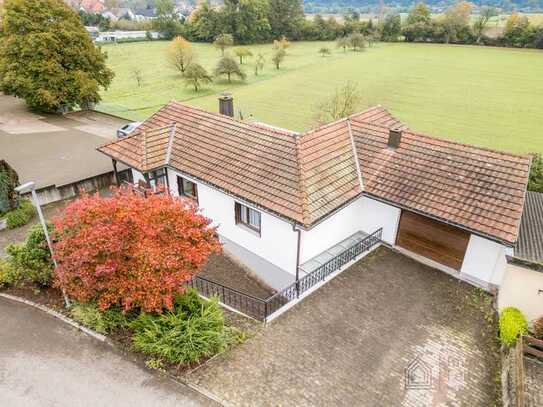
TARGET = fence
x,y
261,309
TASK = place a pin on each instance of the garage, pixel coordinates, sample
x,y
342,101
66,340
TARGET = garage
x,y
435,240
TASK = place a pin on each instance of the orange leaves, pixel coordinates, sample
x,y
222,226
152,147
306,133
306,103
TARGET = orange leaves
x,y
129,250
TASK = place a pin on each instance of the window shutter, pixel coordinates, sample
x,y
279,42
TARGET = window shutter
x,y
195,192
237,210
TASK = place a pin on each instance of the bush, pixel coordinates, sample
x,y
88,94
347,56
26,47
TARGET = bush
x,y
538,328
193,330
101,321
129,250
20,216
31,261
512,324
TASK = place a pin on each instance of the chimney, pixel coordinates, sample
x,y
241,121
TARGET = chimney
x,y
226,104
394,137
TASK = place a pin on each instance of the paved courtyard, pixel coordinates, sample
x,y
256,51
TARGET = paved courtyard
x,y
352,342
53,149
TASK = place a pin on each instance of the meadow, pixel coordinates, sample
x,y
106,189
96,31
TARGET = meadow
x,y
491,97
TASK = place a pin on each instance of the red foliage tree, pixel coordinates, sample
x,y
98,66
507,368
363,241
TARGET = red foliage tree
x,y
129,250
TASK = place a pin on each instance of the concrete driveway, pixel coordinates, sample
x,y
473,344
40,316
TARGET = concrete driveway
x,y
386,332
45,363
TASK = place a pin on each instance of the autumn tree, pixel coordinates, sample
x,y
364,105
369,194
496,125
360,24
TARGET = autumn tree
x,y
344,102
282,43
278,57
129,250
223,41
242,52
196,76
228,66
47,57
180,54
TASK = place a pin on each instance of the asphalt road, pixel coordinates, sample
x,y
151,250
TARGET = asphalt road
x,y
45,363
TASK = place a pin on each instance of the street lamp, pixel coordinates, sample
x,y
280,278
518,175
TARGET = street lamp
x,y
31,187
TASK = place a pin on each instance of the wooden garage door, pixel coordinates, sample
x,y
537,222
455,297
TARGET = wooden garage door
x,y
438,241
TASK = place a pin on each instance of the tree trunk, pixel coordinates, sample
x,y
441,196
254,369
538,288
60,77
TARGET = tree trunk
x,y
228,78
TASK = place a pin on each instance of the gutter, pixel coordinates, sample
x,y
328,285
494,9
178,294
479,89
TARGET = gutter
x,y
298,247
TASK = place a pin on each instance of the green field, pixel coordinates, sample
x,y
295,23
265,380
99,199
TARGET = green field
x,y
486,96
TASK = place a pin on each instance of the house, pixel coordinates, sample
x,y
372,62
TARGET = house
x,y
286,203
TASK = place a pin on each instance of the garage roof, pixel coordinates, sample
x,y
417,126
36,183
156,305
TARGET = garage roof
x,y
530,241
305,177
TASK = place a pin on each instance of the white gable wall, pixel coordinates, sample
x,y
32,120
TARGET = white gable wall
x,y
277,243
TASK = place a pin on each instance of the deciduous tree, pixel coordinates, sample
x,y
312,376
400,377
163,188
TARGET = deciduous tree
x,y
196,76
129,250
357,41
223,41
535,182
228,66
278,57
259,63
342,42
286,17
48,58
243,52
180,54
344,102
324,51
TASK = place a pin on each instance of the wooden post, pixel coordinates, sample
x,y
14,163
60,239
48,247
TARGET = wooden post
x,y
115,172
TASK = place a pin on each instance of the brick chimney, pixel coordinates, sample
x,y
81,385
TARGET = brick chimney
x,y
394,137
226,104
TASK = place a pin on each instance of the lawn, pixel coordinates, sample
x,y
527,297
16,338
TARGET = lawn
x,y
486,96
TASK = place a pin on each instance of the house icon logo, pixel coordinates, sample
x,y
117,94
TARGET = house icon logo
x,y
418,375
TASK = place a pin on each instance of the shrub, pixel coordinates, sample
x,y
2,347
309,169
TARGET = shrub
x,y
20,216
512,324
538,328
29,262
101,321
192,330
129,250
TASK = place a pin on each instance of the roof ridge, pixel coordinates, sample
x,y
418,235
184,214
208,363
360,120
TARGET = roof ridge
x,y
355,155
170,143
449,141
304,199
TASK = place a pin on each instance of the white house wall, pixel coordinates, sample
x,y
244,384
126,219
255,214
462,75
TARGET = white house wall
x,y
277,243
363,214
484,262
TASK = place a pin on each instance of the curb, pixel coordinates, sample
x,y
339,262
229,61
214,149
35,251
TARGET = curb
x,y
58,315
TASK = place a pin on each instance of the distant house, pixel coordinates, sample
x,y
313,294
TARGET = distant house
x,y
287,203
93,32
115,36
144,14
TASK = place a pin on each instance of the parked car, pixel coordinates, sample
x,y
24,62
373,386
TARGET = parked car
x,y
127,129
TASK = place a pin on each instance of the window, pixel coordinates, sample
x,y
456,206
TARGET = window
x,y
157,177
247,217
187,188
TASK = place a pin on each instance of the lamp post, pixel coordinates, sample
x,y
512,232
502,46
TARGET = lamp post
x,y
31,187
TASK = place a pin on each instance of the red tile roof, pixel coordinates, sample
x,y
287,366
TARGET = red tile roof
x,y
305,177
